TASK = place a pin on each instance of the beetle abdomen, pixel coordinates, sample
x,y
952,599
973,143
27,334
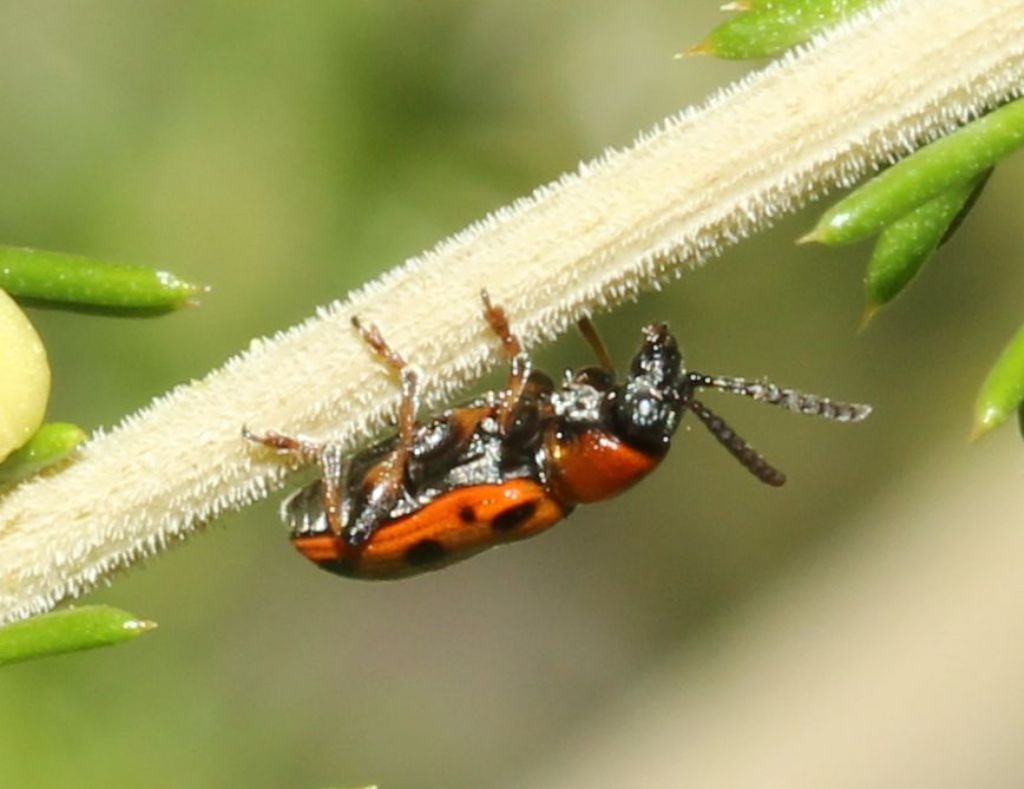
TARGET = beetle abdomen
x,y
452,527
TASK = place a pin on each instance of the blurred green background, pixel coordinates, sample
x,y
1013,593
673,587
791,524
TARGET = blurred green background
x,y
285,153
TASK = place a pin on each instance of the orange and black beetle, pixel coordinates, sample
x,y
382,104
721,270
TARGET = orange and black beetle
x,y
509,464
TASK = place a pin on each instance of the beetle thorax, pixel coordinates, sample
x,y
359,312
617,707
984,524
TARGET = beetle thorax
x,y
578,403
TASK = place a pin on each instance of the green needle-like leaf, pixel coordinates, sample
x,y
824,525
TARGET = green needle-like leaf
x,y
924,175
71,630
54,279
769,27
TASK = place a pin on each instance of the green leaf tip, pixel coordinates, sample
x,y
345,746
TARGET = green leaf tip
x,y
815,236
983,426
1002,392
700,48
870,311
54,279
70,630
140,626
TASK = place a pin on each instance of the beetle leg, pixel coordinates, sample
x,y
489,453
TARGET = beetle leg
x,y
327,455
736,446
790,399
519,370
498,321
387,486
589,332
410,376
333,486
371,336
302,448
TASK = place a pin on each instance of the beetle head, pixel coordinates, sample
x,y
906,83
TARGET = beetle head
x,y
646,408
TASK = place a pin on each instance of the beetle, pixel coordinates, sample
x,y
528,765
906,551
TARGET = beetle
x,y
509,464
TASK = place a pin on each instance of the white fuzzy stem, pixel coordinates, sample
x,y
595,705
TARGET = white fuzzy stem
x,y
856,98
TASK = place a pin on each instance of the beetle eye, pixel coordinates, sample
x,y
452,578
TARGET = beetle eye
x,y
648,412
644,418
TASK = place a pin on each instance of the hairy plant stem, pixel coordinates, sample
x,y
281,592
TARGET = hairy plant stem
x,y
863,95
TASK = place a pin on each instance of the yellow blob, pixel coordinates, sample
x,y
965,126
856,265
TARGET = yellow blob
x,y
24,377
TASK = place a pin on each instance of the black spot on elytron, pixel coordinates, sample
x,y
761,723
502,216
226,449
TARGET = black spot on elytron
x,y
467,514
425,552
348,567
516,516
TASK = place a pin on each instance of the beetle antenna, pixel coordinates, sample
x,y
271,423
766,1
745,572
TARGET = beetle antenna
x,y
589,331
790,399
736,446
